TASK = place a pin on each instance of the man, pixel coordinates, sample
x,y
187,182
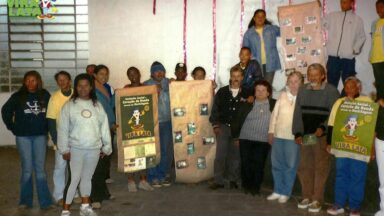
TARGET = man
x,y
346,38
57,100
224,109
181,72
377,50
313,105
90,68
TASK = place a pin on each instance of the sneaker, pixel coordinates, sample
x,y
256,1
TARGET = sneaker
x,y
314,207
143,185
354,213
132,187
303,204
87,211
166,182
77,200
65,213
156,183
273,196
334,210
109,181
22,206
96,205
283,199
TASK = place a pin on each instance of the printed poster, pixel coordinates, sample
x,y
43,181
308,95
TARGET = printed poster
x,y
302,36
193,138
354,129
138,132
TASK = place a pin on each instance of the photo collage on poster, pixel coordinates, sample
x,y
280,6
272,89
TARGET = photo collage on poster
x,y
191,130
300,34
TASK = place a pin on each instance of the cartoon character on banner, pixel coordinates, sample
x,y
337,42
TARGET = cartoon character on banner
x,y
351,125
136,119
47,6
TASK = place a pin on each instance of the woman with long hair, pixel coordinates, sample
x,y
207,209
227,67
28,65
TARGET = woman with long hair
x,y
83,137
261,39
24,114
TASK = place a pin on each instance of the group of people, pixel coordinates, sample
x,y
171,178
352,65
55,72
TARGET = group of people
x,y
248,123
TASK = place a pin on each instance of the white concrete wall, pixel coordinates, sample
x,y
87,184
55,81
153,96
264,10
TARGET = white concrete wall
x,y
125,33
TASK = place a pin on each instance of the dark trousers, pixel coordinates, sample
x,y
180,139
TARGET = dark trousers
x,y
378,72
253,155
339,67
99,187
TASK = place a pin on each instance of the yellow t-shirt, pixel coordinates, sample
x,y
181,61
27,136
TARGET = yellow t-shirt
x,y
377,54
55,104
263,56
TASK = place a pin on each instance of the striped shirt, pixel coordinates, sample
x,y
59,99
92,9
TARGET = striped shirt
x,y
255,127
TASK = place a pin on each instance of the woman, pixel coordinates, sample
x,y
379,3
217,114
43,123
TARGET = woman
x,y
99,187
250,128
134,76
261,39
24,114
81,115
285,152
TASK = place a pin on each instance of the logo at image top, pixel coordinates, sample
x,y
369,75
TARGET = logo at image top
x,y
41,9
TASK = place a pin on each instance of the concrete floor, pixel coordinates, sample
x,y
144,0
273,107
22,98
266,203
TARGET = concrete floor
x,y
176,200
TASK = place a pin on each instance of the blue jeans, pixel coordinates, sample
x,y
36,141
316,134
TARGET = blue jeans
x,y
339,67
166,153
285,157
32,150
350,182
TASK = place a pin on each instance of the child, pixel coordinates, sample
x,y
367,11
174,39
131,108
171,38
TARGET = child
x,y
350,173
198,73
134,75
181,72
251,129
251,68
285,152
83,114
160,175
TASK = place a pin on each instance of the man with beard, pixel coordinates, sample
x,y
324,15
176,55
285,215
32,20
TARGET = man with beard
x,y
313,105
224,109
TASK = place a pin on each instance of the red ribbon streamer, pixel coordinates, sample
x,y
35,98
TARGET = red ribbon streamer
x,y
354,6
185,33
214,39
324,10
290,2
263,4
154,7
241,22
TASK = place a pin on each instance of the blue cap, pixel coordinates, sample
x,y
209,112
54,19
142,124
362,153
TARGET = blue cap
x,y
157,66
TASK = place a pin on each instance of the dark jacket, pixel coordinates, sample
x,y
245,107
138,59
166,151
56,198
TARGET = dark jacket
x,y
244,110
252,73
225,106
25,117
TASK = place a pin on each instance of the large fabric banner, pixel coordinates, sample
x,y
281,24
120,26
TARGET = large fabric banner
x,y
138,132
302,37
193,137
354,130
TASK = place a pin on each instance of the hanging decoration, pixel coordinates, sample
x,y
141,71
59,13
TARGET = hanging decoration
x,y
154,7
263,3
354,6
241,22
185,32
214,40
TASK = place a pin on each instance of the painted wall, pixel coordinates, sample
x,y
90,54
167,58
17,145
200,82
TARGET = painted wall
x,y
126,33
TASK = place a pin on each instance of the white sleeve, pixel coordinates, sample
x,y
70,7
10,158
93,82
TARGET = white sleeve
x,y
105,133
63,129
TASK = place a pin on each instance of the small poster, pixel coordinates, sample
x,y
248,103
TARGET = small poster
x,y
354,130
137,134
301,30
